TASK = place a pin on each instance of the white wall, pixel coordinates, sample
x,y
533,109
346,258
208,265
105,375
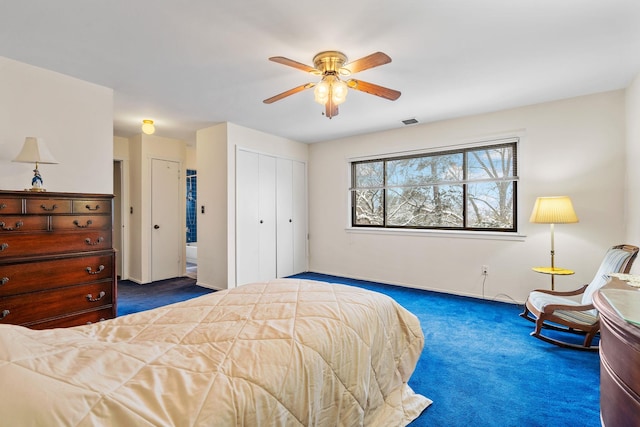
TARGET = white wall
x,y
75,118
573,147
632,193
216,149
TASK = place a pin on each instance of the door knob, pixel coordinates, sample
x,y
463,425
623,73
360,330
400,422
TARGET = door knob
x,y
156,226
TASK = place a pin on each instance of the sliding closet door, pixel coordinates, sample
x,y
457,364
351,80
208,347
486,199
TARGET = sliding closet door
x,y
299,209
247,217
284,206
267,219
255,217
271,225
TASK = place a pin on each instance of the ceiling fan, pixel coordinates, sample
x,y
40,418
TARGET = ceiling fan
x,y
331,91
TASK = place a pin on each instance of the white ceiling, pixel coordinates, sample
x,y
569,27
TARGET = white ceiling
x,y
191,64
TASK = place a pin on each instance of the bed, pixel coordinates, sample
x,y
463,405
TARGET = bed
x,y
282,353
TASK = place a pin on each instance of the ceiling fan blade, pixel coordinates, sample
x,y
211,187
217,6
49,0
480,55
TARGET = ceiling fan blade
x,y
279,96
373,60
373,89
295,64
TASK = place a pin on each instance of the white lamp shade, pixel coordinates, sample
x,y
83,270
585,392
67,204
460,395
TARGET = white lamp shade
x,y
553,210
35,150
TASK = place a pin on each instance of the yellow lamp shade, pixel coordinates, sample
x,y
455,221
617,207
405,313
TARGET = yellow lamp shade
x,y
553,210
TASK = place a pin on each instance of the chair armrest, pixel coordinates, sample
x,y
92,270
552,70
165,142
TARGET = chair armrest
x,y
563,293
550,308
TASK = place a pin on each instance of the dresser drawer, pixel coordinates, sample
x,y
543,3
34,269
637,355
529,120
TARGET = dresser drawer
x,y
42,275
92,206
18,309
47,206
11,224
10,205
28,244
79,222
77,319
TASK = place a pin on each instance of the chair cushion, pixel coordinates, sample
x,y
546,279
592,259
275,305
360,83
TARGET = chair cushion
x,y
613,262
539,300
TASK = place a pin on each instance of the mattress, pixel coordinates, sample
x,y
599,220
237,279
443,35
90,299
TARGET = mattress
x,y
281,353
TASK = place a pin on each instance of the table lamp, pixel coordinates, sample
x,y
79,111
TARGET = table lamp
x,y
35,151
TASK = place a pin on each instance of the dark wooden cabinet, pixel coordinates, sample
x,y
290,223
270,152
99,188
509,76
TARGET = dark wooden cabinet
x,y
57,263
619,363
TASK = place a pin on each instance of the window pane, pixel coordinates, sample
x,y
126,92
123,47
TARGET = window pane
x,y
490,205
432,206
368,207
424,170
369,174
494,162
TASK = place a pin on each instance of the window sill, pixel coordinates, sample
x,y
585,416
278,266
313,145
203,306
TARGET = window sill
x,y
449,234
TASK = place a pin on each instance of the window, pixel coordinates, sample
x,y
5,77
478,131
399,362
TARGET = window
x,y
462,189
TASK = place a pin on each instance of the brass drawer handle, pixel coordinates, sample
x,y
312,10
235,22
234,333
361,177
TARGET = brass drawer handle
x,y
4,314
92,209
101,295
3,206
4,281
77,223
5,228
97,242
97,271
3,246
52,208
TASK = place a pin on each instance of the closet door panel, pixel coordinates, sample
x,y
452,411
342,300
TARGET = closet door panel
x,y
299,208
284,210
267,222
247,217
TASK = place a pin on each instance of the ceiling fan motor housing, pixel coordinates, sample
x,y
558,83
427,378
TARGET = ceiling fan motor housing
x,y
331,62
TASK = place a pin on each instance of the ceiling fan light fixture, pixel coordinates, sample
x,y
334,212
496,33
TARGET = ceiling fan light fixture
x,y
322,91
331,91
339,91
330,87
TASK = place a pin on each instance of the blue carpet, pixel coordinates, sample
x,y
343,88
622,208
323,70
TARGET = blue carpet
x,y
479,365
133,297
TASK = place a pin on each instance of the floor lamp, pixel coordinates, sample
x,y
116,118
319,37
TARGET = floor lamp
x,y
553,210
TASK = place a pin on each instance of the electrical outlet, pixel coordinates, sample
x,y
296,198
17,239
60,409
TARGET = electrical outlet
x,y
485,270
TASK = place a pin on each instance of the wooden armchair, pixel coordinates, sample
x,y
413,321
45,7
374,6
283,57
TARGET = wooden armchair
x,y
567,312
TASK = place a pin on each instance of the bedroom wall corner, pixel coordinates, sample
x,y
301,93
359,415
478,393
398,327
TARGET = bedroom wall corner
x,y
632,177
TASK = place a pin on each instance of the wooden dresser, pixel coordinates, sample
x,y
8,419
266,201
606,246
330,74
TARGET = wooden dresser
x,y
619,363
57,263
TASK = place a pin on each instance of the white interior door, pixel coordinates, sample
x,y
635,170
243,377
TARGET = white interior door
x,y
299,208
166,208
267,236
284,206
247,217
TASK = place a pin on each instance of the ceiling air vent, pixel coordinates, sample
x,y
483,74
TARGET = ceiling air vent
x,y
410,121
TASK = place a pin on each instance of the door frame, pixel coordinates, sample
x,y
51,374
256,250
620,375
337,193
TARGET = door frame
x,y
123,192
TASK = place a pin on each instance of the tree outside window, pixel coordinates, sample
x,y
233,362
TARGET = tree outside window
x,y
468,189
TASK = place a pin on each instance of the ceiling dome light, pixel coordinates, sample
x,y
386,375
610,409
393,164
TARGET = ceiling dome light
x,y
148,127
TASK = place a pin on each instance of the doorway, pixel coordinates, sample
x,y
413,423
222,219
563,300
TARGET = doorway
x,y
166,233
192,223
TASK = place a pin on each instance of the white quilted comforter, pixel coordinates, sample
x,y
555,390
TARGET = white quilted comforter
x,y
284,353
